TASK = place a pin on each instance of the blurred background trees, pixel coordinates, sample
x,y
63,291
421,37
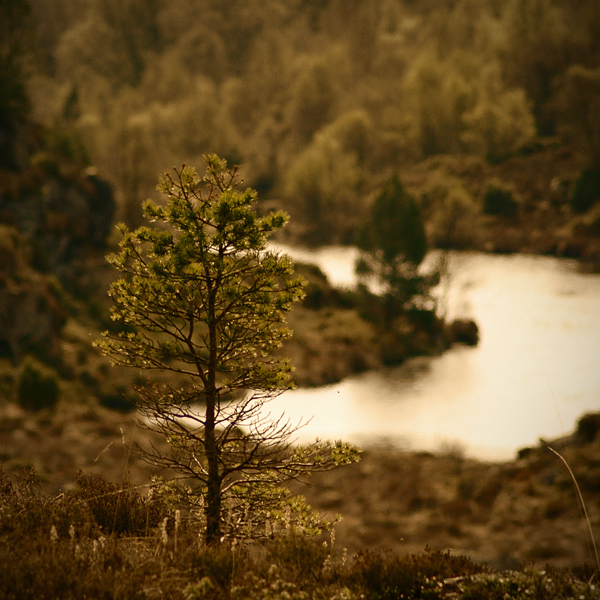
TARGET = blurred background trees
x,y
315,98
15,26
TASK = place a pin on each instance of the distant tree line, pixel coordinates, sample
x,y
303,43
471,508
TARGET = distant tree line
x,y
318,99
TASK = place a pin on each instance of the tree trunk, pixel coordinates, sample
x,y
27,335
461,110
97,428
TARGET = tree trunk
x,y
213,492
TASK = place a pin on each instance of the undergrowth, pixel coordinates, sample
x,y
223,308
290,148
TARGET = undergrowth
x,y
107,540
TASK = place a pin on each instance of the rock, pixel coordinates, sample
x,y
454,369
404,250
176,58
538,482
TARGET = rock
x,y
30,310
62,215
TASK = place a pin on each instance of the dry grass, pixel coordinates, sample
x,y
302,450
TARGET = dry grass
x,y
69,546
505,514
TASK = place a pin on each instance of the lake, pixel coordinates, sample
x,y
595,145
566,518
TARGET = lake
x,y
535,371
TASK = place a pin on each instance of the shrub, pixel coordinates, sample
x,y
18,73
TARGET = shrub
x,y
118,508
37,386
118,400
463,331
586,191
386,576
499,200
299,557
588,427
215,568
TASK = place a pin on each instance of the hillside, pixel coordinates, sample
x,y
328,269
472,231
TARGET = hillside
x,y
488,114
321,103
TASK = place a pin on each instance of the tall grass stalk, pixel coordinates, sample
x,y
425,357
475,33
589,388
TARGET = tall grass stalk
x,y
127,451
581,500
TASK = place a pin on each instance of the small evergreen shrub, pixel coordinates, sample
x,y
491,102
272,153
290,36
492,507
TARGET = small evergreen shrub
x,y
215,565
37,386
587,190
499,201
299,557
588,427
118,401
387,576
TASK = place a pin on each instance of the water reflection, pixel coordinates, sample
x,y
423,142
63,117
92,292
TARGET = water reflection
x,y
535,371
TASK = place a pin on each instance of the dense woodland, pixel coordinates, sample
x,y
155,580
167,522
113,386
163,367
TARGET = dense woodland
x,y
321,101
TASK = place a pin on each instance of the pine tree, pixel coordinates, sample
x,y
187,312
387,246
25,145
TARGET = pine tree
x,y
393,244
204,299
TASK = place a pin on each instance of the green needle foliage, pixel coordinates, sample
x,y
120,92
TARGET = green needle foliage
x,y
202,297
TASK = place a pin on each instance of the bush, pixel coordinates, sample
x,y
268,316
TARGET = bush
x,y
463,331
37,386
298,557
588,427
499,201
119,509
118,401
587,190
387,576
215,568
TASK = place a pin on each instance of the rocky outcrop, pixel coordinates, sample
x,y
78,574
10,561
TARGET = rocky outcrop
x,y
31,316
53,215
63,212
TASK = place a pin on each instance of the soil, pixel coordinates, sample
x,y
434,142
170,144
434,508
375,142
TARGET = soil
x,y
505,514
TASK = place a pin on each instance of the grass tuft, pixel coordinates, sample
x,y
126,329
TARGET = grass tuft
x,y
582,503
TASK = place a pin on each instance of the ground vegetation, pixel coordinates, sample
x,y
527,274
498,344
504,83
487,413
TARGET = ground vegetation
x,y
434,525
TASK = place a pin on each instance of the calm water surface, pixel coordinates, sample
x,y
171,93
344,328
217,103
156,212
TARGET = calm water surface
x,y
534,373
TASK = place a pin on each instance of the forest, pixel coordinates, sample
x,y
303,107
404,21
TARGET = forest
x,y
487,109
